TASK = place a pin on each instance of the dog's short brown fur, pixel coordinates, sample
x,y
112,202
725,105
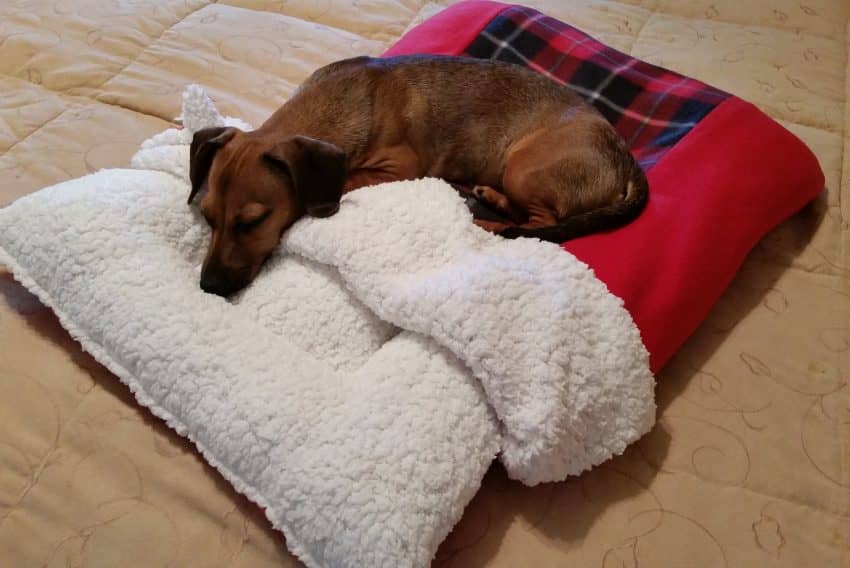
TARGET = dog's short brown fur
x,y
531,147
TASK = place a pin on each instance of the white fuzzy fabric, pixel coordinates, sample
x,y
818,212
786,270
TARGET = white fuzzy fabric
x,y
362,442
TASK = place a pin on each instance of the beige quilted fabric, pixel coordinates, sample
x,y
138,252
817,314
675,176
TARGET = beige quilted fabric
x,y
750,462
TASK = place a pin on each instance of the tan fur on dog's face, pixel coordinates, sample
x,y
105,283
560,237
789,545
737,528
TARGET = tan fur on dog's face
x,y
256,189
247,206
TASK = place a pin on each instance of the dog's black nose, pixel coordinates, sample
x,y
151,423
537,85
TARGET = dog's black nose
x,y
212,283
325,210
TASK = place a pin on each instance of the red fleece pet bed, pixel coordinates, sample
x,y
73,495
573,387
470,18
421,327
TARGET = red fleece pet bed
x,y
721,173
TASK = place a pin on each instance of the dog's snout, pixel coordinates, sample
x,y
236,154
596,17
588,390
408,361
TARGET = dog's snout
x,y
212,283
324,210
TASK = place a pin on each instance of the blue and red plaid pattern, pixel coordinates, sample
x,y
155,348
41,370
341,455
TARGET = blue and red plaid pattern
x,y
652,108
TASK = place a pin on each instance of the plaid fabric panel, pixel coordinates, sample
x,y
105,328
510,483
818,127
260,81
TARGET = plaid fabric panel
x,y
652,108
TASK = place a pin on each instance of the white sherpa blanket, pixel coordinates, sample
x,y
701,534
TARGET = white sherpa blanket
x,y
360,388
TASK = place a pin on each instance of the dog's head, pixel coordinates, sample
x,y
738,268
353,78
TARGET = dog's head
x,y
256,187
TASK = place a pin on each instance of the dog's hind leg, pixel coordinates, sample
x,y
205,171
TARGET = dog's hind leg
x,y
491,226
499,201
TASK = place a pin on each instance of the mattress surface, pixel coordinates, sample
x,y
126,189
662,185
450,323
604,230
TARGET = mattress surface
x,y
750,462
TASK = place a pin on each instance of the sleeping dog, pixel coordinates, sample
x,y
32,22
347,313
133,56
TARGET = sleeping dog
x,y
530,147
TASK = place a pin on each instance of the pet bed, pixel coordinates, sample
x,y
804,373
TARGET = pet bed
x,y
721,173
56,281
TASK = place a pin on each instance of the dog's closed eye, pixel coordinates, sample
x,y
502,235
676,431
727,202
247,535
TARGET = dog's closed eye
x,y
245,226
250,217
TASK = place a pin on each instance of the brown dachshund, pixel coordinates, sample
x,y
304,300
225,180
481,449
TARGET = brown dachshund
x,y
531,147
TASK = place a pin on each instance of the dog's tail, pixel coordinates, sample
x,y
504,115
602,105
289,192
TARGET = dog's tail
x,y
608,217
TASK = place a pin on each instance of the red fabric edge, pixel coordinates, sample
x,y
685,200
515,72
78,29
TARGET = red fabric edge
x,y
713,196
449,32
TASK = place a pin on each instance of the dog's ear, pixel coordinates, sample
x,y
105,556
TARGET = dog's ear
x,y
205,144
317,170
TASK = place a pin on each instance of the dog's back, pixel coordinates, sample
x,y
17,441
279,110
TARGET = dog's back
x,y
465,120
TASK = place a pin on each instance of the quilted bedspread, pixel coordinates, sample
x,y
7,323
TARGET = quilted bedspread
x,y
749,464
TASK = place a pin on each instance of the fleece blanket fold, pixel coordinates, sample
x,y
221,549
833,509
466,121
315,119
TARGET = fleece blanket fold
x,y
360,388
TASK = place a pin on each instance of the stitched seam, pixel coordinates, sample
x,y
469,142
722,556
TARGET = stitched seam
x,y
149,45
843,359
44,462
76,99
383,37
169,119
764,107
731,486
651,15
76,102
795,30
93,96
28,136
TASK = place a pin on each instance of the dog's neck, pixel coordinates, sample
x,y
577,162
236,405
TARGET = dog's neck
x,y
339,120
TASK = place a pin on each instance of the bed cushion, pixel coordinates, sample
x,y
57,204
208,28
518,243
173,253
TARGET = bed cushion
x,y
721,173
